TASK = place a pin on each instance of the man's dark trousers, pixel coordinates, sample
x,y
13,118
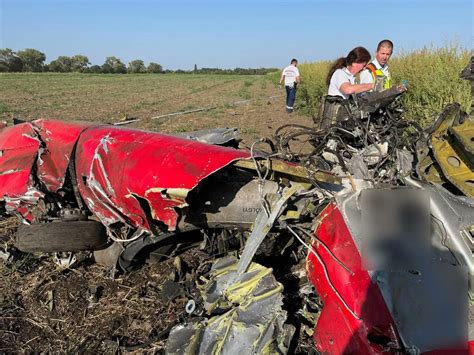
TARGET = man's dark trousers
x,y
290,97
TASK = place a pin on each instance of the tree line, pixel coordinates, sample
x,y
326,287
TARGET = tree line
x,y
238,71
32,60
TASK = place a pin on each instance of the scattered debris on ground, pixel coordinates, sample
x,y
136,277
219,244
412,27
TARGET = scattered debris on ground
x,y
210,249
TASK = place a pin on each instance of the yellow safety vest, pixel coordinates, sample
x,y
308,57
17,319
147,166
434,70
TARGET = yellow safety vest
x,y
377,75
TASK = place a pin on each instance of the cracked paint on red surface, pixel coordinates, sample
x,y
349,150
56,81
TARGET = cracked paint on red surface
x,y
117,169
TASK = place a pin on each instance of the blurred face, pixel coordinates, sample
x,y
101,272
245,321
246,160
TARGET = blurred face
x,y
383,55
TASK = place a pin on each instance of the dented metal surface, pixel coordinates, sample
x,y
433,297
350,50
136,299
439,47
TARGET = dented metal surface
x,y
350,211
245,314
37,155
150,163
354,308
404,293
57,145
218,136
19,148
32,168
452,148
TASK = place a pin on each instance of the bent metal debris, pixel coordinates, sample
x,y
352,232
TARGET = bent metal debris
x,y
375,223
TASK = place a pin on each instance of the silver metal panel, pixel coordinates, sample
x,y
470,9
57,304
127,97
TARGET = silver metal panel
x,y
428,298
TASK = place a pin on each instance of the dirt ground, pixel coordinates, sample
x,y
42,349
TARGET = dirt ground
x,y
84,308
87,309
254,104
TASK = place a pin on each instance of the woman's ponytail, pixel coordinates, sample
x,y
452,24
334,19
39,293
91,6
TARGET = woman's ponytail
x,y
338,64
357,55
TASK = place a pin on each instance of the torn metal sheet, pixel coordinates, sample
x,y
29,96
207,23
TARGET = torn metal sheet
x,y
354,309
126,178
48,143
59,140
452,144
222,202
391,307
29,206
245,317
263,223
451,159
149,189
136,176
218,136
33,162
19,148
293,171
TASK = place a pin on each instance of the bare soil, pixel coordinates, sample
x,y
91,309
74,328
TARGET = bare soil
x,y
86,309
254,104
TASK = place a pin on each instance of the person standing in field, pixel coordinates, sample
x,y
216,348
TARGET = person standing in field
x,y
291,76
377,71
341,76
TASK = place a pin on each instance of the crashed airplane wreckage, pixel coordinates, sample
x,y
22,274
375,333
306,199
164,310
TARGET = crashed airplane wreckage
x,y
378,217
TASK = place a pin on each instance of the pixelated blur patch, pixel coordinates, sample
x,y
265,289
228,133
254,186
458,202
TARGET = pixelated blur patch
x,y
396,226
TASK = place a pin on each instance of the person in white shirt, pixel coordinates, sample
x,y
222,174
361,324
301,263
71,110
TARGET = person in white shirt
x,y
291,76
341,76
377,71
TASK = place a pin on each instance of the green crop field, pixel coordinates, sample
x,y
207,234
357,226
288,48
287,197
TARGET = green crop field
x,y
432,74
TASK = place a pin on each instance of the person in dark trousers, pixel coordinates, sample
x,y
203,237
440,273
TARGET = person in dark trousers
x,y
291,76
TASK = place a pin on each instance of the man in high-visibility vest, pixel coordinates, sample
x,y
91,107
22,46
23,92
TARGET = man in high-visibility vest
x,y
377,71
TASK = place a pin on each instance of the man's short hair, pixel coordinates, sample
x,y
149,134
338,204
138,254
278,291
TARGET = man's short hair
x,y
385,43
293,61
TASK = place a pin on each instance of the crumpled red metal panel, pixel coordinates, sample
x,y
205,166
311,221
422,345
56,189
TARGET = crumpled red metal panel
x,y
49,143
59,139
131,175
354,309
18,150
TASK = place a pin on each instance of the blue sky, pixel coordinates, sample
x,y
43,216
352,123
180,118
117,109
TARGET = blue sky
x,y
228,33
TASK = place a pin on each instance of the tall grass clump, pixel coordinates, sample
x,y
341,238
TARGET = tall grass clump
x,y
432,75
433,80
313,87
